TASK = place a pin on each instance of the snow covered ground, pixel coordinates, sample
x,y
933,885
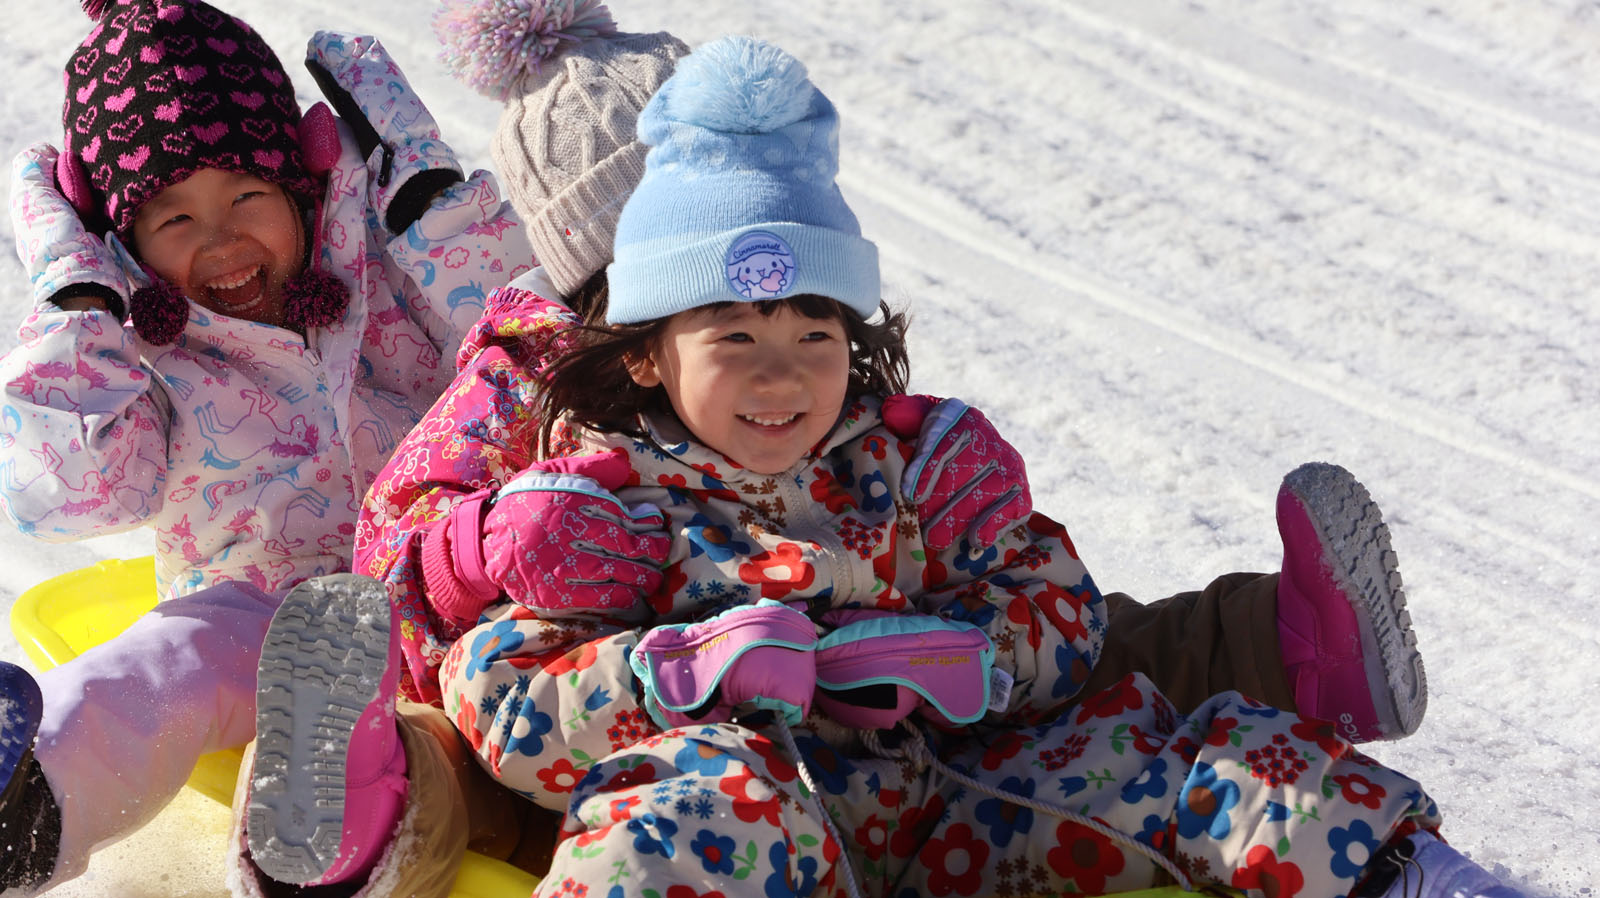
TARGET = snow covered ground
x,y
1174,249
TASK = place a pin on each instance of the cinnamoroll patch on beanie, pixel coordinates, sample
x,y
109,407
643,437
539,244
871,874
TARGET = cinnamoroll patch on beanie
x,y
738,200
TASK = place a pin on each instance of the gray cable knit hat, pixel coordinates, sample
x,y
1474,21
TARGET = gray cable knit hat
x,y
567,152
573,86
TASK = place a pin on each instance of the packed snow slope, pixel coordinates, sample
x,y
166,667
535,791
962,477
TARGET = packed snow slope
x,y
1174,249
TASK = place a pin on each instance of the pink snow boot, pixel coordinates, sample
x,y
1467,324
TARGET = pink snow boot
x,y
1344,632
1421,866
329,783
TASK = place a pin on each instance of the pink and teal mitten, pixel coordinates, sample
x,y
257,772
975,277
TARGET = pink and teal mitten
x,y
878,667
757,656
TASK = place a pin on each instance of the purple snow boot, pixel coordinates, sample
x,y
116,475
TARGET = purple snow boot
x,y
30,821
1421,866
1343,628
329,783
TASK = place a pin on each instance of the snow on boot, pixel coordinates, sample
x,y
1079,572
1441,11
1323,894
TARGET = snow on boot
x,y
1343,628
1421,866
30,821
21,706
329,785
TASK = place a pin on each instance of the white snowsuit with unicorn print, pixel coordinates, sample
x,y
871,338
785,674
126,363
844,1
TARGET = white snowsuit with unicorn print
x,y
247,450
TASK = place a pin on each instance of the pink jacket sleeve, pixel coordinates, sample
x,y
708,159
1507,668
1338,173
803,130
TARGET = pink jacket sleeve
x,y
479,434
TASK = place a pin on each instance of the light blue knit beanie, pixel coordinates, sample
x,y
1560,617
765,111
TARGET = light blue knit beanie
x,y
738,200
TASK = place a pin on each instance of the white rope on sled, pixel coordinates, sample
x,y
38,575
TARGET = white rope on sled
x,y
847,869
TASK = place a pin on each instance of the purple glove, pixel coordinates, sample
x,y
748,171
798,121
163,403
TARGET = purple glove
x,y
965,480
878,667
554,539
758,655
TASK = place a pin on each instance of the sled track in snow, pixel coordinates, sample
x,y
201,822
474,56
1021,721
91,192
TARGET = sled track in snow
x,y
1217,97
1178,182
958,224
1402,101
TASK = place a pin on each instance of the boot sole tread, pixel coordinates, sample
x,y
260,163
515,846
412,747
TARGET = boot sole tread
x,y
322,663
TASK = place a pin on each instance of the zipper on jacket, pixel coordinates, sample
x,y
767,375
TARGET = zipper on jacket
x,y
840,561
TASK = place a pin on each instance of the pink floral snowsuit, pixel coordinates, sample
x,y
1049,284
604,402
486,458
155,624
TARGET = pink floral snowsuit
x,y
1236,793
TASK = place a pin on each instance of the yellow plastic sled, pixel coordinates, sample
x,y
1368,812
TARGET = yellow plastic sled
x,y
66,615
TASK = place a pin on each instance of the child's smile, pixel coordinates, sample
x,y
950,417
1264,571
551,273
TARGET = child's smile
x,y
762,389
770,421
241,292
227,241
772,427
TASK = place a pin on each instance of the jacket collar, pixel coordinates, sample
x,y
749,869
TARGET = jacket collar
x,y
666,434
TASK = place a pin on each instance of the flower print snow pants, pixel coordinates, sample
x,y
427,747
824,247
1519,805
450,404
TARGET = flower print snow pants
x,y
1236,793
125,721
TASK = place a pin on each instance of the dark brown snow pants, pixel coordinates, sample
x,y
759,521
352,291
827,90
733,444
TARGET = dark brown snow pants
x,y
1196,644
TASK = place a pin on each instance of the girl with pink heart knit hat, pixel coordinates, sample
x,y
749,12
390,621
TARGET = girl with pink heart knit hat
x,y
234,313
160,90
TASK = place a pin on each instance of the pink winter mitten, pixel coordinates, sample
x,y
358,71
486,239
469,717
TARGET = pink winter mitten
x,y
409,160
758,656
965,480
60,254
878,667
554,539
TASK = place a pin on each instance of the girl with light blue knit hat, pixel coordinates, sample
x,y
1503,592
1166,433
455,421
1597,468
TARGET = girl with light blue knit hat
x,y
814,699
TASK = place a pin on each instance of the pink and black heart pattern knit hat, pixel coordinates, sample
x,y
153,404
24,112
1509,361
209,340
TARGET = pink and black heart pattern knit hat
x,y
161,89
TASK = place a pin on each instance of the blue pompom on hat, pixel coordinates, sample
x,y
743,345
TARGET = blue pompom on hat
x,y
738,200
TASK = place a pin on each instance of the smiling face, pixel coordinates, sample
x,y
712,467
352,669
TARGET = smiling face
x,y
226,240
760,389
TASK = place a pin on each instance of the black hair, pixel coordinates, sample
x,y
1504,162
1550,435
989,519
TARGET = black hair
x,y
590,385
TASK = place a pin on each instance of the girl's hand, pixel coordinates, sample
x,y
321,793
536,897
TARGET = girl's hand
x,y
69,267
747,658
965,479
411,165
877,667
555,539
69,301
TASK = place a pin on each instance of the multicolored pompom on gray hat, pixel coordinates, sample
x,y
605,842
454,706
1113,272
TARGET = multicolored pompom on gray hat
x,y
566,146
